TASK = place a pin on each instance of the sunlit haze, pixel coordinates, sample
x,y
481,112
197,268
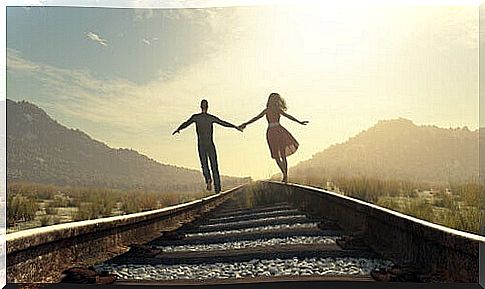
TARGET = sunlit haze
x,y
129,77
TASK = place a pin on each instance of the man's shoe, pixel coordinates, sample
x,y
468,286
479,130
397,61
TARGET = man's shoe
x,y
209,185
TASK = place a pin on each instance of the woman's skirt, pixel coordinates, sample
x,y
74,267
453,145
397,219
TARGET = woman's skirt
x,y
280,141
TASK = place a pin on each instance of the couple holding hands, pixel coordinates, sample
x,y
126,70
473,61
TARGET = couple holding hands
x,y
281,143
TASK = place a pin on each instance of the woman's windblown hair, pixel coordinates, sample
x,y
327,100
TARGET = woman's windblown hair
x,y
276,102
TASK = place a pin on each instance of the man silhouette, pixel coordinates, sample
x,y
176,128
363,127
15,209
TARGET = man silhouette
x,y
207,150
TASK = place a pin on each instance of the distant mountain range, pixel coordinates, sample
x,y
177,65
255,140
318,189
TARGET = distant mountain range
x,y
399,149
41,150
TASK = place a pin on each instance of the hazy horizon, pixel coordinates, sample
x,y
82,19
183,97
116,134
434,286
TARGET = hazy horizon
x,y
129,77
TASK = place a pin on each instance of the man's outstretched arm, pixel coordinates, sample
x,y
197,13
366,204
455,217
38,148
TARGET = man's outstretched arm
x,y
184,125
225,123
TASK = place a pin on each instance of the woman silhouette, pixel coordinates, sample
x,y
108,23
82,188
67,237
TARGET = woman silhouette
x,y
281,143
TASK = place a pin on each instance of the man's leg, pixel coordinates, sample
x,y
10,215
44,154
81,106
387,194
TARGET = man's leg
x,y
215,168
203,154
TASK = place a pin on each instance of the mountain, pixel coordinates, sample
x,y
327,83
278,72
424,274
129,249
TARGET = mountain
x,y
41,150
399,149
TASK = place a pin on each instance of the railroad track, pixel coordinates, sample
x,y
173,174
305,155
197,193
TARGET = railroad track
x,y
273,242
260,232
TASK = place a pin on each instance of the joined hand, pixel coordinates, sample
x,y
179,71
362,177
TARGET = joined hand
x,y
304,122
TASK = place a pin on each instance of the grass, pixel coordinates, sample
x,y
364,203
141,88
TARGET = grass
x,y
455,205
97,204
20,208
459,208
64,204
48,220
51,210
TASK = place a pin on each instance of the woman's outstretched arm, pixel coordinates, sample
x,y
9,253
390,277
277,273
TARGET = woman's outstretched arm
x,y
254,119
292,118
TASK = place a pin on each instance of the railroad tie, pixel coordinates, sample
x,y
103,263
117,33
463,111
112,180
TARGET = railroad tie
x,y
235,243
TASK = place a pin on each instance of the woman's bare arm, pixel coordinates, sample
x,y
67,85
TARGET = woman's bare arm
x,y
292,118
254,119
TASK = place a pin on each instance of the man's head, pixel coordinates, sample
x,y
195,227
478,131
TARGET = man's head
x,y
204,105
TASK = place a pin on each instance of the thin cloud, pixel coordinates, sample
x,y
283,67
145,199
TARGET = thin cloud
x,y
80,95
94,37
15,62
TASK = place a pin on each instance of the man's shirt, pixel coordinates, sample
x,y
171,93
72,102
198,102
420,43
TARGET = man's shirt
x,y
204,128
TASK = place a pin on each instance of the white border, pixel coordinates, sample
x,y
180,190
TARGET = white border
x,y
230,3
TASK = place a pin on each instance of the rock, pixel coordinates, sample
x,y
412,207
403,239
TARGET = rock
x,y
326,224
382,275
273,270
406,273
137,250
82,275
172,235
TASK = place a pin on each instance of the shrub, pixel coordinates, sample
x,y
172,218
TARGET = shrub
x,y
45,221
20,209
100,203
420,209
51,210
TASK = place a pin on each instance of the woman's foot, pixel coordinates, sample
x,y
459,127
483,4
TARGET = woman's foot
x,y
209,185
285,179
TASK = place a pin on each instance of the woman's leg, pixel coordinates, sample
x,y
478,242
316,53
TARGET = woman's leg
x,y
280,165
283,165
285,168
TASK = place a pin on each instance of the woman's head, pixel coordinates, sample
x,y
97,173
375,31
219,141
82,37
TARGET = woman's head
x,y
276,102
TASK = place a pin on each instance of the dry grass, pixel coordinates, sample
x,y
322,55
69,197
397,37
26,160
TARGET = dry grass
x,y
455,205
23,201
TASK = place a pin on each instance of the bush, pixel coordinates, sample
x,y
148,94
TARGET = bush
x,y
49,220
100,203
420,209
134,202
20,209
45,221
51,210
61,200
389,203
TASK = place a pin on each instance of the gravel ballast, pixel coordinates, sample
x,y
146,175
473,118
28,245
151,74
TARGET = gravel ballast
x,y
256,229
243,244
253,268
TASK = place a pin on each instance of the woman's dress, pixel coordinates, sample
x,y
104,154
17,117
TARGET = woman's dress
x,y
280,141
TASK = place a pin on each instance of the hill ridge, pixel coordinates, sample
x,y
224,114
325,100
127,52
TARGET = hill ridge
x,y
399,149
40,149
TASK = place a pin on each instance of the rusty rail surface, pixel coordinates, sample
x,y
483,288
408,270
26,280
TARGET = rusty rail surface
x,y
40,254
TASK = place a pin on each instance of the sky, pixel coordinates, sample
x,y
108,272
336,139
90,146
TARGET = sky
x,y
129,77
